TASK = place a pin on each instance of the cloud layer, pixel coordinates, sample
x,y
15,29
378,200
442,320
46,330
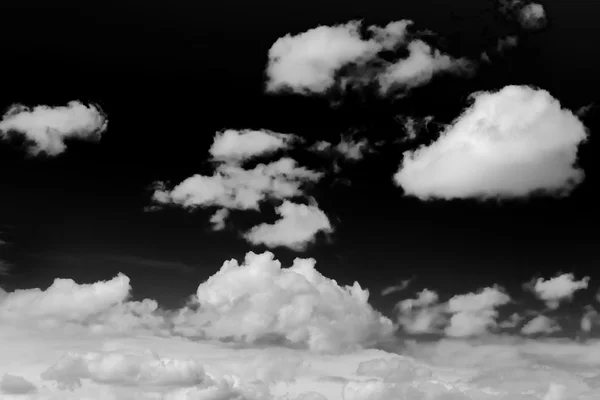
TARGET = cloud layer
x,y
509,143
46,128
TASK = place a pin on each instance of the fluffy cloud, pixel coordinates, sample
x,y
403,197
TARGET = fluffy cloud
x,y
421,315
530,15
232,145
259,300
310,62
233,187
420,66
46,128
65,300
540,324
297,227
474,313
509,143
560,288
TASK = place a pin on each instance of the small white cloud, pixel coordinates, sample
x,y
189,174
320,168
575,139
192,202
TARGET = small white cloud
x,y
259,300
307,62
218,219
421,315
420,66
560,288
540,324
298,226
509,143
233,145
46,128
474,313
589,318
530,15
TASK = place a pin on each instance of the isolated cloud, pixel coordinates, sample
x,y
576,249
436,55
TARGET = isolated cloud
x,y
530,15
235,146
509,143
555,290
540,324
46,128
422,63
474,313
234,187
310,62
297,227
396,288
259,300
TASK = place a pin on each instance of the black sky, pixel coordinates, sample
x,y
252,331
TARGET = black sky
x,y
169,75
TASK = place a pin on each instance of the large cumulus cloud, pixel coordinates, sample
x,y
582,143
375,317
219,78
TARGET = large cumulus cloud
x,y
509,143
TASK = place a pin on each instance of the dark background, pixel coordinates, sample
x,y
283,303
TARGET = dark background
x,y
169,75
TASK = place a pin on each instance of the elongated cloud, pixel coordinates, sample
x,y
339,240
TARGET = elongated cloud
x,y
509,143
540,324
310,62
560,288
46,128
297,227
233,145
234,187
260,300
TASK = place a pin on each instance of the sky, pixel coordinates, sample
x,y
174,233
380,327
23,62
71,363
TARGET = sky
x,y
380,200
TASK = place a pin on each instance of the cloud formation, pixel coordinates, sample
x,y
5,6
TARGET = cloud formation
x,y
237,146
540,324
529,14
260,300
296,228
46,128
510,143
311,62
560,288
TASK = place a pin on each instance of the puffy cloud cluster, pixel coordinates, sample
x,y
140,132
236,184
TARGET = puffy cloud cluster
x,y
555,290
312,61
466,315
530,15
297,227
259,301
233,186
510,143
46,128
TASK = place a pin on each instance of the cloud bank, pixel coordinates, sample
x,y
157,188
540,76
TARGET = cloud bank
x,y
311,62
46,128
509,143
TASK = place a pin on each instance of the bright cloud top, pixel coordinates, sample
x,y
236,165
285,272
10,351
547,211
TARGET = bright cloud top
x,y
260,300
241,145
309,62
46,128
560,288
509,143
297,227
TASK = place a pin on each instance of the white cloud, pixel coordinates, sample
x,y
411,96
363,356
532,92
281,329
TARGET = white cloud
x,y
46,128
509,143
296,228
259,300
420,66
421,315
233,187
233,145
474,313
540,324
309,62
560,288
396,288
65,300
